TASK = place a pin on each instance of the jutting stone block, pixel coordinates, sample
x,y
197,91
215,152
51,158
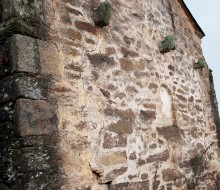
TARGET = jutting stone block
x,y
33,56
200,64
102,14
167,44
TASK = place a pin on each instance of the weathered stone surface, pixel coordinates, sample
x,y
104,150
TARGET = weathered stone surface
x,y
121,127
147,115
84,26
143,185
171,133
161,157
171,175
115,173
113,141
114,158
33,56
35,117
126,64
102,14
101,60
7,112
167,44
21,86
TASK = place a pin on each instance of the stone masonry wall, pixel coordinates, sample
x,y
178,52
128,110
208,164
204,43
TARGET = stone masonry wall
x,y
89,107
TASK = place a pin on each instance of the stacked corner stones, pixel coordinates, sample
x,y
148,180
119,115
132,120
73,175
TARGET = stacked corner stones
x,y
106,143
28,65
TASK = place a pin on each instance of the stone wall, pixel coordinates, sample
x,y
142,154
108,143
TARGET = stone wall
x,y
100,107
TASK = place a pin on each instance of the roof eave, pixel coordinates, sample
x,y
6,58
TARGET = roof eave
x,y
199,30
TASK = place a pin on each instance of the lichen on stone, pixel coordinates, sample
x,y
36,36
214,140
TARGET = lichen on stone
x,y
167,44
200,64
102,14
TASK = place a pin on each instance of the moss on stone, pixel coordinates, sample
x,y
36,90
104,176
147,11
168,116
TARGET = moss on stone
x,y
167,44
200,64
102,14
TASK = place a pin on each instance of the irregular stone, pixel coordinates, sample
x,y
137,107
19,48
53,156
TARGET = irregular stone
x,y
105,93
84,26
115,173
200,64
100,60
33,159
171,133
161,157
143,185
113,159
113,141
171,175
102,14
127,52
167,44
147,115
35,117
126,64
121,127
73,34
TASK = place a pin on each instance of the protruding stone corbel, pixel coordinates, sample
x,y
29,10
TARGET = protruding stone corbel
x,y
167,44
200,64
102,14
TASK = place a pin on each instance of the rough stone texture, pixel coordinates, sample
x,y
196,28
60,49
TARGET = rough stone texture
x,y
89,110
35,117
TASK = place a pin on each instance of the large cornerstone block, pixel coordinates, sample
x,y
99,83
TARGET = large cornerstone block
x,y
33,56
35,117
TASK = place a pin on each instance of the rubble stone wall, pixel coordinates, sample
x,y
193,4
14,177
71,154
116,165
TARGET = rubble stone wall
x,y
100,107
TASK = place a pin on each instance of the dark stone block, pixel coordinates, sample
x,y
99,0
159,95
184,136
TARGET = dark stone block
x,y
35,117
102,14
171,133
100,60
26,87
167,44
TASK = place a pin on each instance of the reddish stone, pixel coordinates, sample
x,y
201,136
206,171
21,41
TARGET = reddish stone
x,y
147,115
100,60
170,133
171,175
122,127
143,185
126,64
86,27
73,34
127,52
161,157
